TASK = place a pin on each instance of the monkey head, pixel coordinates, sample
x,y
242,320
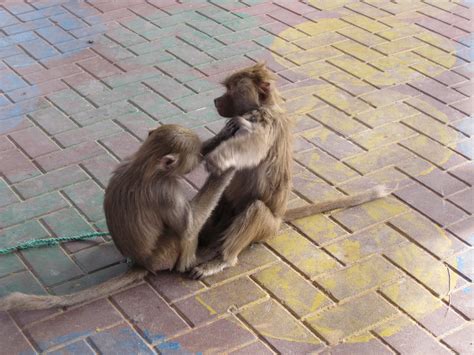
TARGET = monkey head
x,y
174,149
246,90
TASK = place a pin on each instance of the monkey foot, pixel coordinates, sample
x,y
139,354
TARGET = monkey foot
x,y
210,268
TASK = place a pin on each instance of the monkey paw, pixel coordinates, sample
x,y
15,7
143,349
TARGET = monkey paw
x,y
207,269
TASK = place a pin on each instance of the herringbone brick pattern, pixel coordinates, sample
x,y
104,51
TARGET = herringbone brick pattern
x,y
381,92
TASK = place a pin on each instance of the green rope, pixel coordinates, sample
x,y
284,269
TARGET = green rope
x,y
36,243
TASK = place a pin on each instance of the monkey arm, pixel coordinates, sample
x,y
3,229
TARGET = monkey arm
x,y
207,198
225,133
202,206
241,151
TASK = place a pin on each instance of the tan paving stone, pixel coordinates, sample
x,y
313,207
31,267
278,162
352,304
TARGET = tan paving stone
x,y
304,255
291,289
356,315
280,329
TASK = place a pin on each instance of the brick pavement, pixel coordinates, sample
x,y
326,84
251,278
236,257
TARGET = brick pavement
x,y
381,92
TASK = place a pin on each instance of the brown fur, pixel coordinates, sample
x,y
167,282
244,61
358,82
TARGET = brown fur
x,y
147,214
254,204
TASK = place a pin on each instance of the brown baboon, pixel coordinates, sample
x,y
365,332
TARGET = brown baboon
x,y
254,203
147,214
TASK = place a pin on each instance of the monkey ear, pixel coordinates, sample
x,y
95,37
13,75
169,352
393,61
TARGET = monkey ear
x,y
168,162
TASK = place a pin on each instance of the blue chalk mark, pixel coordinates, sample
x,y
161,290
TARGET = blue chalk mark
x,y
61,339
171,345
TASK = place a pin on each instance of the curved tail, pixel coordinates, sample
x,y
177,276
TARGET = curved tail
x,y
22,301
343,202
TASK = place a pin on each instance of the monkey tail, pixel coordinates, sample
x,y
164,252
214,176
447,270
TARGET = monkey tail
x,y
22,301
343,202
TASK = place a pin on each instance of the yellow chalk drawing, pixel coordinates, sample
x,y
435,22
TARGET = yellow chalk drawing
x,y
397,66
205,305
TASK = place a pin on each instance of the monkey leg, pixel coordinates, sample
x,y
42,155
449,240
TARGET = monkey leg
x,y
255,223
164,257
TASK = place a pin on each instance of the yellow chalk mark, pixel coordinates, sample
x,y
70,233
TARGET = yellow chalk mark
x,y
405,53
205,305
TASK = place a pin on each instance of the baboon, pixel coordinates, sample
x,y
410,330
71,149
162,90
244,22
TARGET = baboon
x,y
148,216
255,202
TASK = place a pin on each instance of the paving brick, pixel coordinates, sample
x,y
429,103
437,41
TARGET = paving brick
x,y
68,222
174,286
332,143
291,289
69,156
369,274
73,324
52,120
373,212
90,280
51,265
101,168
387,114
14,342
464,263
6,195
378,158
425,268
11,263
20,282
359,344
36,90
368,242
356,315
427,234
461,340
433,129
31,208
34,142
121,338
217,300
440,181
319,228
410,338
254,348
168,88
279,329
155,106
99,67
254,257
78,347
94,258
88,133
464,199
326,166
464,230
226,334
149,313
87,196
304,255
16,167
105,112
10,81
122,145
21,233
430,204
51,74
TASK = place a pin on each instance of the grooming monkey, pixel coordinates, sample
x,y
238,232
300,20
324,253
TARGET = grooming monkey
x,y
253,205
147,213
